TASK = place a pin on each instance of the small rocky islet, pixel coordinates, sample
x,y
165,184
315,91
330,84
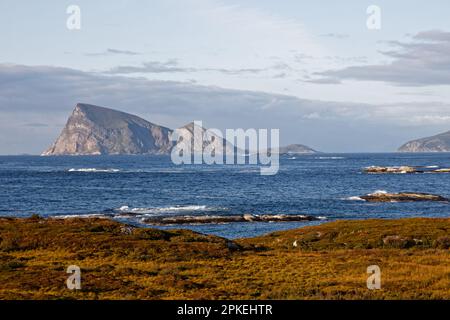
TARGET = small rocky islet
x,y
382,196
404,169
402,197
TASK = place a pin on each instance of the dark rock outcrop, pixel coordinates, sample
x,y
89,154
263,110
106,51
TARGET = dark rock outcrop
x,y
405,169
174,220
297,149
437,143
401,169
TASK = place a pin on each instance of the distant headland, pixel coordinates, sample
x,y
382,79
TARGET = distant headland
x,y
94,130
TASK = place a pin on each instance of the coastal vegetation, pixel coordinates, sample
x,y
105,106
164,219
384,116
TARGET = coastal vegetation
x,y
328,261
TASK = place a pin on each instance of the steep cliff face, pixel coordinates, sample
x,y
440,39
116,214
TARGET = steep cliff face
x,y
93,130
438,143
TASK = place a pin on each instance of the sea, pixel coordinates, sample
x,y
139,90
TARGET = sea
x,y
327,186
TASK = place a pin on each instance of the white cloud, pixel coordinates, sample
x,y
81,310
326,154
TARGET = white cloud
x,y
424,61
111,51
44,96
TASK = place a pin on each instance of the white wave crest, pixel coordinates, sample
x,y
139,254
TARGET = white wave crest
x,y
93,170
84,216
355,198
329,158
166,210
378,192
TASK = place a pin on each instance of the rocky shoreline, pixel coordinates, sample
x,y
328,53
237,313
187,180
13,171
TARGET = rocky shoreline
x,y
246,218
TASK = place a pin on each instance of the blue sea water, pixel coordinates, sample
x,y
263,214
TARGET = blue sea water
x,y
323,185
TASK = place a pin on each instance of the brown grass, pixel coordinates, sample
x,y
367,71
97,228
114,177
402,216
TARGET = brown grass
x,y
119,262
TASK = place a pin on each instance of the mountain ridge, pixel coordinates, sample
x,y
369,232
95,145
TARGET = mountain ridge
x,y
436,143
95,130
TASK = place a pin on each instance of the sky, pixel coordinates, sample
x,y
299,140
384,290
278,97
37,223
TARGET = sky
x,y
312,69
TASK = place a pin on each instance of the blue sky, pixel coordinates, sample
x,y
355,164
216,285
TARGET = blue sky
x,y
311,68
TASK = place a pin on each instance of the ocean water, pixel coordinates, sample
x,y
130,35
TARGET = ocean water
x,y
323,185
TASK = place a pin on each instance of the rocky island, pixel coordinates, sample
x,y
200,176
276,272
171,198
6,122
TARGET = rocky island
x,y
93,130
437,143
405,169
402,197
292,149
296,149
210,140
400,169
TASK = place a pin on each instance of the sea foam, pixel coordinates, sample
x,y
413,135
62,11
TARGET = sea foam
x,y
166,210
93,170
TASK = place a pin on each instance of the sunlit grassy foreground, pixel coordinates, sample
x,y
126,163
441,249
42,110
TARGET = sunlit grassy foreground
x,y
328,262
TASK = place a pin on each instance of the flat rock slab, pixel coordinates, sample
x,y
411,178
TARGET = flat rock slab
x,y
404,169
173,220
402,197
